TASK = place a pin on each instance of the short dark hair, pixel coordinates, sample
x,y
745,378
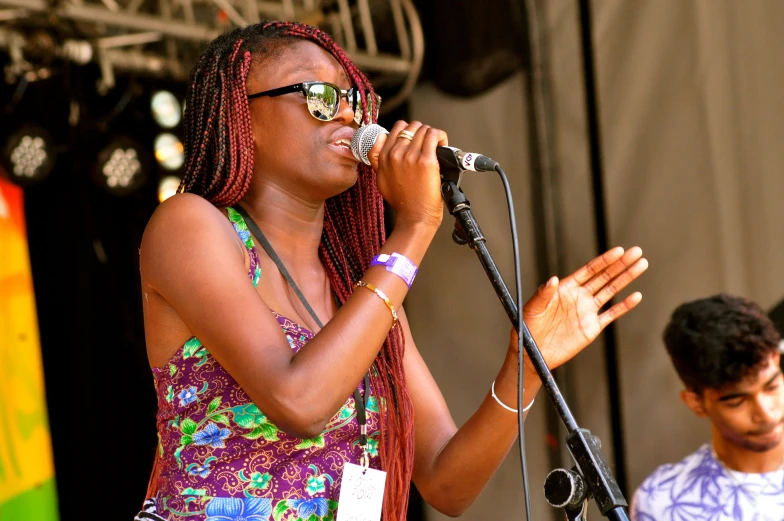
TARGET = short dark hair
x,y
719,340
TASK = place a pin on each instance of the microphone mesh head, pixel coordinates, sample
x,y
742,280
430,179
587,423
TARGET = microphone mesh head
x,y
364,139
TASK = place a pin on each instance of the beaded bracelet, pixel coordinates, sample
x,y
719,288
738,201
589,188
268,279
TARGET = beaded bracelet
x,y
383,297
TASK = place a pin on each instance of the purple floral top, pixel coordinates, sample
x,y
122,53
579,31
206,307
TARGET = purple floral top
x,y
700,488
223,460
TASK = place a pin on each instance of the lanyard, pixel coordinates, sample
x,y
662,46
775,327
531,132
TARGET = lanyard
x,y
361,402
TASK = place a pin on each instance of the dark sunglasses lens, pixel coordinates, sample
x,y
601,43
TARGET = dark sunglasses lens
x,y
323,101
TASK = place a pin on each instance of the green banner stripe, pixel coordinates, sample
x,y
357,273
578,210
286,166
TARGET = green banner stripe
x,y
39,503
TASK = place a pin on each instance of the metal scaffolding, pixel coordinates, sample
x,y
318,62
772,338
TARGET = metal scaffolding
x,y
164,37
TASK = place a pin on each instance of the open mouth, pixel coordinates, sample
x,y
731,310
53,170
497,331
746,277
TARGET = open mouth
x,y
343,143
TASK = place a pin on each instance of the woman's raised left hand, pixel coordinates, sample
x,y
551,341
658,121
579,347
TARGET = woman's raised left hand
x,y
565,315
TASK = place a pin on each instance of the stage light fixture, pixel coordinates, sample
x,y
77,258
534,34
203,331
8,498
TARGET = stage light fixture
x,y
169,151
167,187
165,109
29,155
121,166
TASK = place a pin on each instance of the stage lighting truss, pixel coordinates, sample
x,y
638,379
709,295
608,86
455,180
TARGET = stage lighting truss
x,y
164,37
29,155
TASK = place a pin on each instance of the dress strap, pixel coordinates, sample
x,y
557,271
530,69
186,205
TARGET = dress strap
x,y
242,230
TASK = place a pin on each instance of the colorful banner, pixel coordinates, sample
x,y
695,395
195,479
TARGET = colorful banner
x,y
27,486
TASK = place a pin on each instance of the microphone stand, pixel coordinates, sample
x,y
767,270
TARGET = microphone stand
x,y
591,476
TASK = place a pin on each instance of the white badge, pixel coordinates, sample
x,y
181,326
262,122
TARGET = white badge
x,y
361,494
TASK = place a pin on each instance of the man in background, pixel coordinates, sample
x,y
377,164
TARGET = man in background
x,y
726,352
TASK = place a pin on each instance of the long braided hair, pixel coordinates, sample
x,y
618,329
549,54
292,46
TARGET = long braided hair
x,y
219,166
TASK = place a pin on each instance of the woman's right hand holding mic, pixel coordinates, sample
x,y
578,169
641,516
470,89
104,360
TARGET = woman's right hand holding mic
x,y
407,173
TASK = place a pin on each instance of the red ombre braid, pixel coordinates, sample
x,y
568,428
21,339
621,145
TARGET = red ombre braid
x,y
219,166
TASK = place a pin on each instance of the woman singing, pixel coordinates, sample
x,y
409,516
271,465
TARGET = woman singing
x,y
272,299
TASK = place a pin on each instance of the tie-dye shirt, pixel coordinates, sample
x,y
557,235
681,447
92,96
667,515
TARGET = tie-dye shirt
x,y
700,488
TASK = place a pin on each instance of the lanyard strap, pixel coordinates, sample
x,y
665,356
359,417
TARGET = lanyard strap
x,y
279,263
361,402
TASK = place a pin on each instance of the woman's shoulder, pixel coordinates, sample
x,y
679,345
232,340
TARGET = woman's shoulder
x,y
185,210
187,225
186,215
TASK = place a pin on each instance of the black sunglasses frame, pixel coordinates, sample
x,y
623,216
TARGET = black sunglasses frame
x,y
351,96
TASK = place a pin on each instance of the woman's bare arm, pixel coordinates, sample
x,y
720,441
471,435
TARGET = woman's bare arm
x,y
190,257
563,317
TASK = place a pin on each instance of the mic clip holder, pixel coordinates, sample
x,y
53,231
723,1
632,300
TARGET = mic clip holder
x,y
450,161
591,477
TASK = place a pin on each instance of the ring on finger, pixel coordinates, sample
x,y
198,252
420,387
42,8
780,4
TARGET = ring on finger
x,y
407,134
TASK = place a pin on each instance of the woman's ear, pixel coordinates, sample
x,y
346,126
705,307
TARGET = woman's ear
x,y
694,401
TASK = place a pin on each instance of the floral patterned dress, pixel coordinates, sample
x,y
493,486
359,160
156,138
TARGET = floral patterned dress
x,y
221,459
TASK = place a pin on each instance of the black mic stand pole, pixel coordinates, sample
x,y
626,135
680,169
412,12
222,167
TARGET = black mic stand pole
x,y
591,476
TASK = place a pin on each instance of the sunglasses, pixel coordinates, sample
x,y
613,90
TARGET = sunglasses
x,y
323,98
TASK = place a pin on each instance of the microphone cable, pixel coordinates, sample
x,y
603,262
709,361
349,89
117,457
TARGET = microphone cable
x,y
519,328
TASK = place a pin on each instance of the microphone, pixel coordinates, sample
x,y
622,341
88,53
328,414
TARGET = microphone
x,y
448,157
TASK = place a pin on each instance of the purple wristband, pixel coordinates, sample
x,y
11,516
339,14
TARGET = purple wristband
x,y
398,264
